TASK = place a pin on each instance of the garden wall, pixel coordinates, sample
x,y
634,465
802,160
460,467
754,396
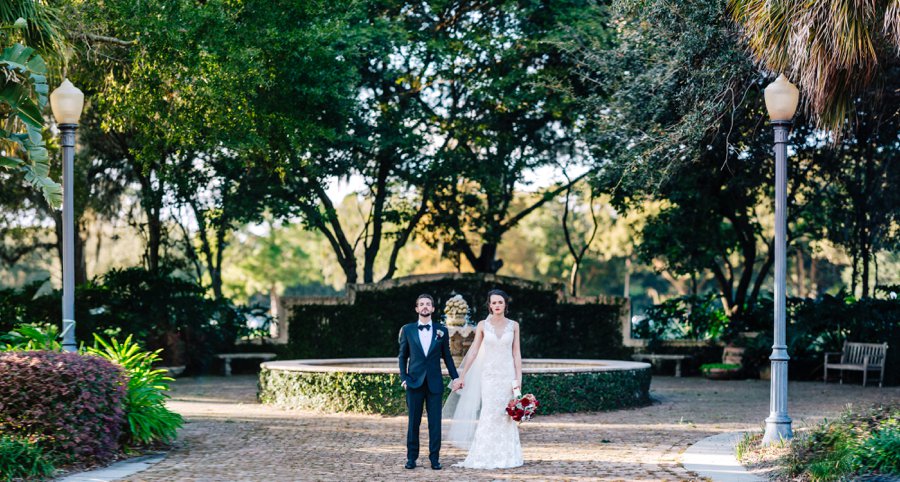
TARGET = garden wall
x,y
365,321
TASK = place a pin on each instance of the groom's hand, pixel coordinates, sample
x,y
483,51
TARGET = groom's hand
x,y
403,384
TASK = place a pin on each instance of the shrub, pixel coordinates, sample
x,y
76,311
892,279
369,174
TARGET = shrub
x,y
814,327
149,421
73,400
858,443
21,458
382,393
881,451
719,366
683,318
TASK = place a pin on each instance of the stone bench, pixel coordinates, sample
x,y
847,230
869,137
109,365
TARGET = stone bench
x,y
862,357
227,357
652,357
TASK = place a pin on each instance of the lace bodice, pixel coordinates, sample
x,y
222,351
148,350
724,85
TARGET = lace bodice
x,y
499,367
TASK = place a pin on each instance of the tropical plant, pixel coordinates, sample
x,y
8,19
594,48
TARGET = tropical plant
x,y
149,421
27,337
833,49
23,97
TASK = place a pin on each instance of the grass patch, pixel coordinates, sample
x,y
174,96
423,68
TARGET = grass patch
x,y
23,459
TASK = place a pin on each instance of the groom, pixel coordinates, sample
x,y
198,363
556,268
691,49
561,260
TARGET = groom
x,y
422,345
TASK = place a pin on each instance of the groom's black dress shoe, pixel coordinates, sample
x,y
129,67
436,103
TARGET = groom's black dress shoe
x,y
436,466
410,465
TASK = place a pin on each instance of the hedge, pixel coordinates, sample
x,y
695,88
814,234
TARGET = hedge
x,y
369,326
381,393
71,402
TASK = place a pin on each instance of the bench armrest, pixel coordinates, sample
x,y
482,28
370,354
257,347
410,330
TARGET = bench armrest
x,y
831,353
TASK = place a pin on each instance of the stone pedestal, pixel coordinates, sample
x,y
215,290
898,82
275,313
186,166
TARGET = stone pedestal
x,y
461,338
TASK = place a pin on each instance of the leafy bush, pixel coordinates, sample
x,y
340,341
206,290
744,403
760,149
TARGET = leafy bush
x,y
149,421
719,366
382,393
822,325
21,458
368,327
27,337
74,400
683,318
858,443
814,327
881,451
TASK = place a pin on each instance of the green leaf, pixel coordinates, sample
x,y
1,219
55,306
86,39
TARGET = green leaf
x,y
10,162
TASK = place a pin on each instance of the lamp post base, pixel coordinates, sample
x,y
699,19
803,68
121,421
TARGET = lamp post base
x,y
777,429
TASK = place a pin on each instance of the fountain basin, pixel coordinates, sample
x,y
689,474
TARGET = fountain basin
x,y
372,385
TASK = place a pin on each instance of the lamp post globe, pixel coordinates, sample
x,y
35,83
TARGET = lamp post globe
x,y
781,98
67,102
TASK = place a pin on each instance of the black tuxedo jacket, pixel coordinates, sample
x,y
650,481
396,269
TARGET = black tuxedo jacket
x,y
417,368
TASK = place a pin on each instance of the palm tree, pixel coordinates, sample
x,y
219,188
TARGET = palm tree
x,y
835,50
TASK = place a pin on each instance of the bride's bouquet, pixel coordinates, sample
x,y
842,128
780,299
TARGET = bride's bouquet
x,y
522,409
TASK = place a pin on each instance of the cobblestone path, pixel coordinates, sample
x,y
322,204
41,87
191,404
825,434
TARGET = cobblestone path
x,y
230,437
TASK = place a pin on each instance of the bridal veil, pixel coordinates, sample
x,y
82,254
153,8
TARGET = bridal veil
x,y
463,407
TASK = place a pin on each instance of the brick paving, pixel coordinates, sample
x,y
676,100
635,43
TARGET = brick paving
x,y
230,437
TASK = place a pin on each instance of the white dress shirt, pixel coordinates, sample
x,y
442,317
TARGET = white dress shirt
x,y
425,336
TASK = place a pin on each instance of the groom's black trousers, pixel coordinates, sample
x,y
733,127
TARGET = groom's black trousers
x,y
416,398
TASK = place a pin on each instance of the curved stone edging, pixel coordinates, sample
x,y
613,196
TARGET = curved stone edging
x,y
325,385
713,458
116,471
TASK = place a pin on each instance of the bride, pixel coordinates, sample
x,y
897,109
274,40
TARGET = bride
x,y
491,375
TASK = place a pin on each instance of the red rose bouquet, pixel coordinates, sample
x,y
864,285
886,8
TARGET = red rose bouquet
x,y
522,409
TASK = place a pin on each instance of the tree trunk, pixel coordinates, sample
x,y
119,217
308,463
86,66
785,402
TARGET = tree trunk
x,y
344,251
404,235
865,259
151,202
487,261
813,283
372,247
627,292
573,279
215,272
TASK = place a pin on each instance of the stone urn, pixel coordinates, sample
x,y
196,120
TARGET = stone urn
x,y
461,338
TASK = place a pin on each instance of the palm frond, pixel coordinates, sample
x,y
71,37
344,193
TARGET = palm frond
x,y
831,48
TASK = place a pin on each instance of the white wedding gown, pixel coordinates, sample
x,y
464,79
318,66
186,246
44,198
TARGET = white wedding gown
x,y
495,444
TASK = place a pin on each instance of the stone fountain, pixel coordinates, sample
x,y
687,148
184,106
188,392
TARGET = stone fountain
x,y
459,326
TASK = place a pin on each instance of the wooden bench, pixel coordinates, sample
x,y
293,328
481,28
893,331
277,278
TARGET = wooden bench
x,y
651,357
227,357
861,357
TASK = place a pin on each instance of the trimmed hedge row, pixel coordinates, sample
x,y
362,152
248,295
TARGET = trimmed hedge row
x,y
381,393
368,327
71,401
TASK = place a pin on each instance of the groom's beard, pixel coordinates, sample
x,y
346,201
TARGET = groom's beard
x,y
424,315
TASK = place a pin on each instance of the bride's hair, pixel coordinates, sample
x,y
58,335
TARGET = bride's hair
x,y
500,293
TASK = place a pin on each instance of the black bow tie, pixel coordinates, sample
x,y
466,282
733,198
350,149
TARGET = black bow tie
x,y
424,327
